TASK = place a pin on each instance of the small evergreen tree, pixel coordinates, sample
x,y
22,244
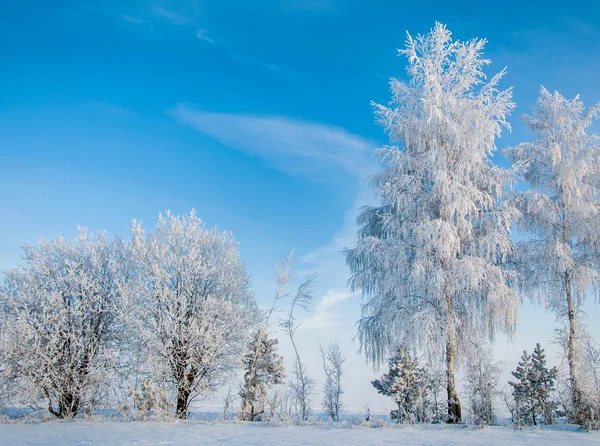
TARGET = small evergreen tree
x,y
522,390
542,381
264,368
402,384
532,392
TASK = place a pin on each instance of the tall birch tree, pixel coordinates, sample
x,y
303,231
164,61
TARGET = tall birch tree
x,y
429,259
560,213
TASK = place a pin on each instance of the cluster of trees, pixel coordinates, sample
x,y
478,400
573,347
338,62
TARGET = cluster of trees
x,y
152,323
165,316
435,260
416,389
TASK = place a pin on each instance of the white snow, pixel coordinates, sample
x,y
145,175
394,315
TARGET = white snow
x,y
192,433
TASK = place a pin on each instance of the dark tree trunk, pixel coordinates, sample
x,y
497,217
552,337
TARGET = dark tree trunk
x,y
68,406
182,402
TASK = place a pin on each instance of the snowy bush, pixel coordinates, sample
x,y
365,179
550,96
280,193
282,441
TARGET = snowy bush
x,y
150,402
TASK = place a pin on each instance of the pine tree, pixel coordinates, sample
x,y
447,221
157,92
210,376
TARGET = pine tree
x,y
264,369
430,258
535,383
542,383
402,384
523,390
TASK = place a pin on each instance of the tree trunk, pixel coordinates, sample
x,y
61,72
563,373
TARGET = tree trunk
x,y
576,398
454,410
68,406
182,400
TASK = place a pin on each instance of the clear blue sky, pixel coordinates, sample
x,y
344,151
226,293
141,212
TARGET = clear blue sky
x,y
256,113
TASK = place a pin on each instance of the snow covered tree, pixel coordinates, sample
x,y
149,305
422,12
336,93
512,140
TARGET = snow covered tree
x,y
283,275
191,305
535,383
560,213
587,354
60,332
542,380
482,375
429,259
264,369
333,365
302,386
402,384
523,391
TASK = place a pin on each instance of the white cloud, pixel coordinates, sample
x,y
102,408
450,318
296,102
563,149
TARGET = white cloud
x,y
324,314
293,146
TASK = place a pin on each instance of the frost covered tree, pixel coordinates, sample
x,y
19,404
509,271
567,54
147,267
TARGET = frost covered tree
x,y
429,259
191,305
263,369
333,366
60,331
283,276
481,375
402,384
524,401
533,389
587,354
301,385
560,213
543,380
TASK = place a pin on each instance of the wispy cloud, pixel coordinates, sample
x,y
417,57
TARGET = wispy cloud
x,y
10,213
162,13
138,22
324,314
268,66
293,146
201,34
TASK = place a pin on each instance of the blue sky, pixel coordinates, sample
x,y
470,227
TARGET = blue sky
x,y
256,113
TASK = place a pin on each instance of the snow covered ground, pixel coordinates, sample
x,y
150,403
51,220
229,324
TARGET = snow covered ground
x,y
195,433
